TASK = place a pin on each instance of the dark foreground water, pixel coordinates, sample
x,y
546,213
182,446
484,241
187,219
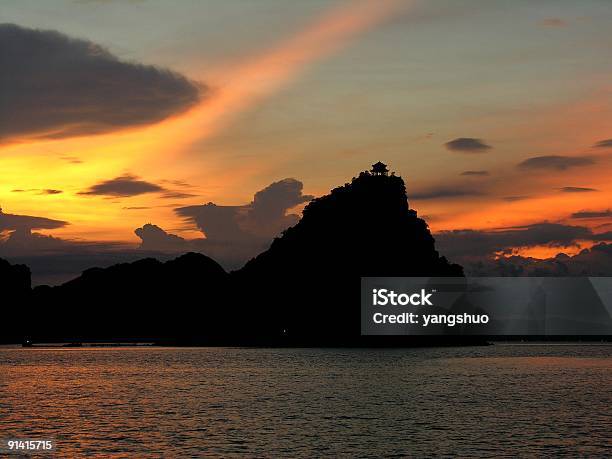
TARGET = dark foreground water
x,y
149,402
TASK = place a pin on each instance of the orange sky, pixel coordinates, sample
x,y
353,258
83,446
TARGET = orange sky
x,y
262,121
158,151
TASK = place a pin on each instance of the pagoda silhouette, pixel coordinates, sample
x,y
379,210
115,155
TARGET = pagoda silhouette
x,y
379,168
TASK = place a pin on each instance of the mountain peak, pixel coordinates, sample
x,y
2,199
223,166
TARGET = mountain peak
x,y
365,224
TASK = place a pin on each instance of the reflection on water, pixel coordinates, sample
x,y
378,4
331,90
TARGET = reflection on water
x,y
526,400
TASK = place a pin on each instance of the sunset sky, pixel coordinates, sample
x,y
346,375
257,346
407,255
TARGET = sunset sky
x,y
497,114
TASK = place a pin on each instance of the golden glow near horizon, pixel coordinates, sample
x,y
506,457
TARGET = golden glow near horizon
x,y
204,145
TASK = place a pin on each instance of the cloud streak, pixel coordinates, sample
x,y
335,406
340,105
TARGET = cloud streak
x,y
555,162
467,145
253,80
131,185
604,144
468,242
576,189
46,191
12,222
515,198
593,214
444,193
596,261
122,186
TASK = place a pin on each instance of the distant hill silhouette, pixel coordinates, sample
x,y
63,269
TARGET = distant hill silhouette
x,y
14,298
14,279
304,290
143,300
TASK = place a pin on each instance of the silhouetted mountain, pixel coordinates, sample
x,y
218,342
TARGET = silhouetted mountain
x,y
14,279
307,284
143,300
304,290
364,227
14,297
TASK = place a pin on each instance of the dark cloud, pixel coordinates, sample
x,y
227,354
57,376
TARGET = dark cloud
x,y
576,189
54,260
265,217
457,244
177,195
17,239
11,222
607,236
444,192
467,145
554,162
233,234
137,208
553,22
596,261
216,222
155,238
479,251
267,214
604,144
125,185
54,86
515,198
44,191
24,241
230,254
593,214
553,234
180,183
131,185
476,173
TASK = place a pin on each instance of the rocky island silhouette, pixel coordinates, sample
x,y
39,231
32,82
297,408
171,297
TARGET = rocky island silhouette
x,y
303,290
